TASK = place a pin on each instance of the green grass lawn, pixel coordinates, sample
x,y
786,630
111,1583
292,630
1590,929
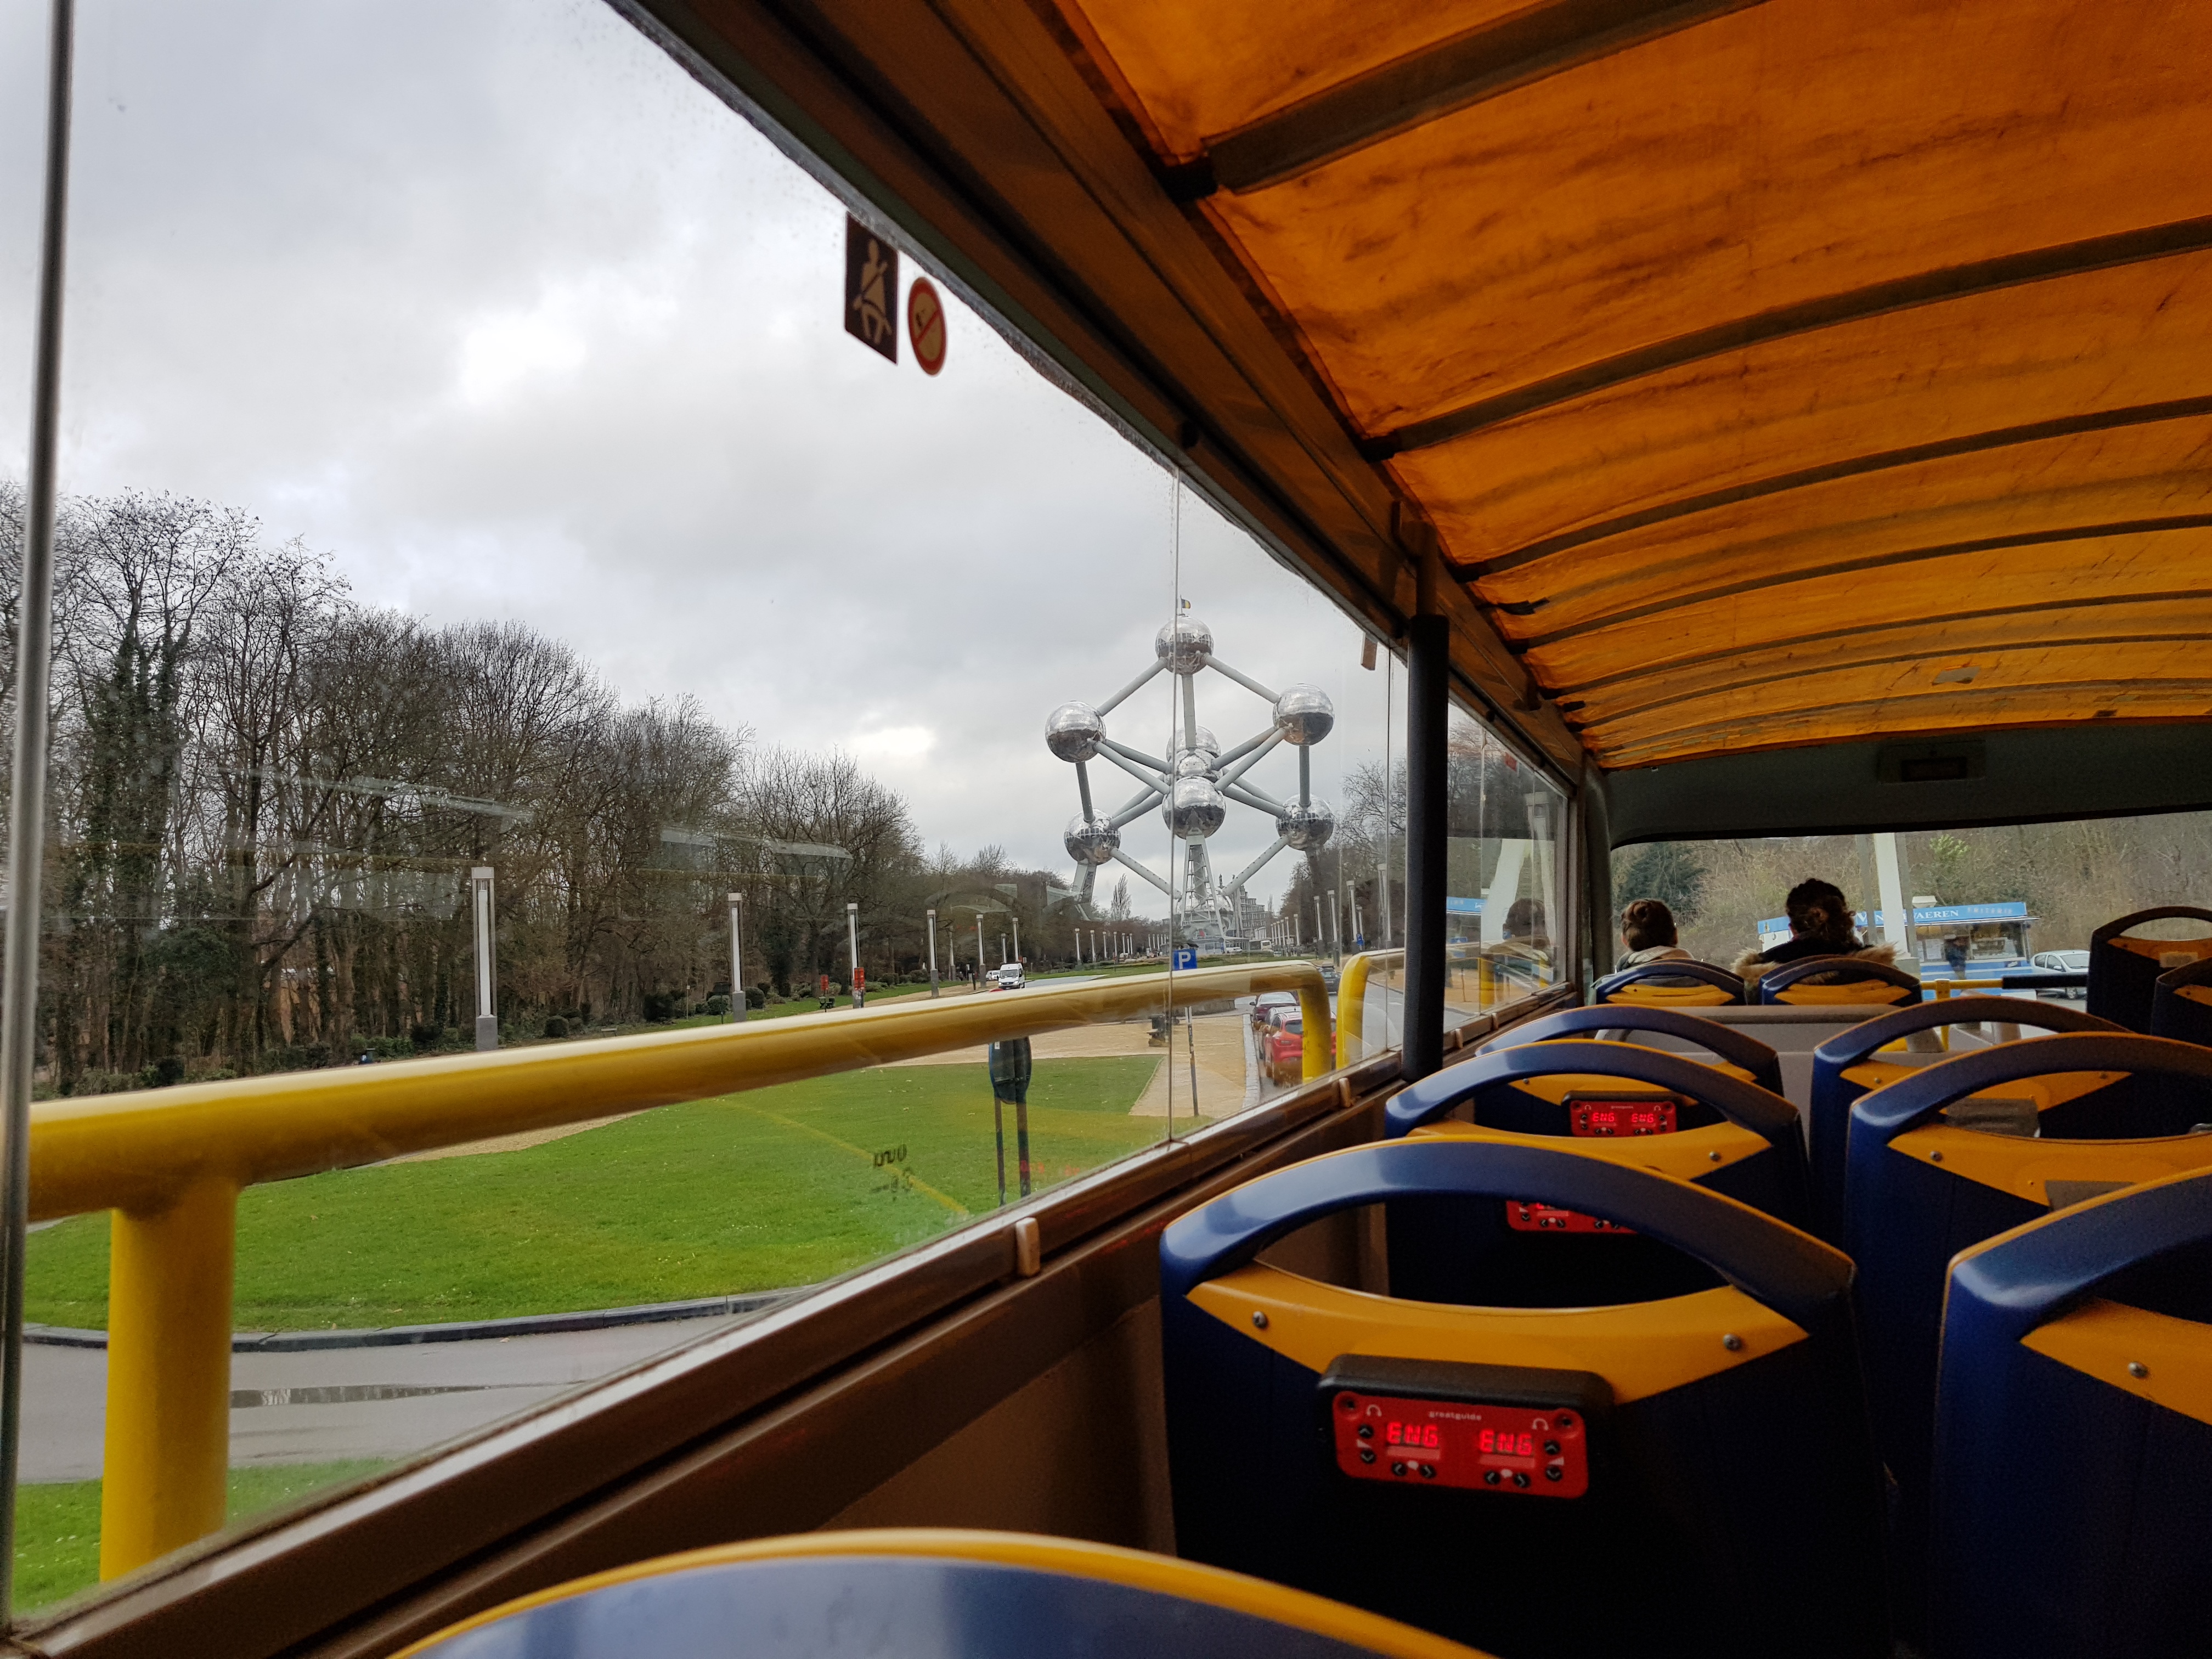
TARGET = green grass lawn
x,y
756,1191
58,1526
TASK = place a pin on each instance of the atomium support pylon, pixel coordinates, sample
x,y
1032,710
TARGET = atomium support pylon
x,y
1194,785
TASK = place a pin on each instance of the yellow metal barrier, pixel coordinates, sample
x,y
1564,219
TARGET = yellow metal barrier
x,y
1942,988
1351,992
1352,1001
170,1164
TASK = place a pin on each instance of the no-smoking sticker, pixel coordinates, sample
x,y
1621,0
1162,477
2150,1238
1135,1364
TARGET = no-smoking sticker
x,y
925,325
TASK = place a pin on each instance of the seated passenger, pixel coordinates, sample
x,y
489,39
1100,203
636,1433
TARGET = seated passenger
x,y
1647,928
1821,924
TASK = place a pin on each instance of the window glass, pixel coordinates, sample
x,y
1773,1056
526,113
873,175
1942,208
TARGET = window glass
x,y
1505,884
1984,899
515,595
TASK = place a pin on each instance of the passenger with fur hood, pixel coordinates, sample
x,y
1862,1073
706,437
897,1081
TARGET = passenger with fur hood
x,y
1821,924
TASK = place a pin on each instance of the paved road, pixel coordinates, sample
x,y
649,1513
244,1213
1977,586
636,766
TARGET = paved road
x,y
338,1403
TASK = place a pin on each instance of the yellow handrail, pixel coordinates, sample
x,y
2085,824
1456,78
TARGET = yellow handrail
x,y
1352,1001
1351,992
170,1164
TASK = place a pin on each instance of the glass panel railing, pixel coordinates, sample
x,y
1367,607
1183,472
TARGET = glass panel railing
x,y
519,606
1504,881
1985,900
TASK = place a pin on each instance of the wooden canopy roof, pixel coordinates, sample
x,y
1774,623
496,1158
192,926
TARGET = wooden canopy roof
x,y
1746,373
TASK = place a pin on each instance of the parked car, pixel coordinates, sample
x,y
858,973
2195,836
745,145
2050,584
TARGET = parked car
x,y
2064,962
1268,1004
1283,1048
1008,978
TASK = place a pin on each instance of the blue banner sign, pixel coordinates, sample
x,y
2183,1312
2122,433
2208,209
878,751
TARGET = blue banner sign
x,y
1462,907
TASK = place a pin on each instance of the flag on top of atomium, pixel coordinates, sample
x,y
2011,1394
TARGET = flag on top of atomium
x,y
1194,782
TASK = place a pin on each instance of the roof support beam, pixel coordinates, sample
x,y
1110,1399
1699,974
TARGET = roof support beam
x,y
2040,264
1528,46
1663,671
1773,580
1887,659
1851,466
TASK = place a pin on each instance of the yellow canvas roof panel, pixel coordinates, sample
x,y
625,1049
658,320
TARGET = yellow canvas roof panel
x,y
1768,374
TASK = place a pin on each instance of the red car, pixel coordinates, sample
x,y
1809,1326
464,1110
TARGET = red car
x,y
1282,1048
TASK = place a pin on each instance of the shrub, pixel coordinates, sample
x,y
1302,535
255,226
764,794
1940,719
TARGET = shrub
x,y
426,1038
756,996
556,1027
715,1005
660,1007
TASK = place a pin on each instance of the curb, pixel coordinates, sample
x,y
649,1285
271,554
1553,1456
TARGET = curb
x,y
468,1330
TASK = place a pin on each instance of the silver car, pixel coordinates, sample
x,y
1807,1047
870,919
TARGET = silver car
x,y
2064,962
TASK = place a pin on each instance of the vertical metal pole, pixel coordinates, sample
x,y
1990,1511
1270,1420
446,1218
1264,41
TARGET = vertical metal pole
x,y
999,1133
1389,663
852,944
26,824
932,953
1427,799
737,957
1018,938
979,961
487,1006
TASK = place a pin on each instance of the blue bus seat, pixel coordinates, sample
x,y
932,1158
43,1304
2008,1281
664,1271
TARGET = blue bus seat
x,y
2181,1005
1837,979
1851,1063
2124,971
1677,984
2073,1455
2106,1111
1690,1475
1732,1049
1729,1134
922,1593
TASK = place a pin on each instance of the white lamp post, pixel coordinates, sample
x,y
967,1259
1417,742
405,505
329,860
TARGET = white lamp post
x,y
852,943
737,956
932,953
487,988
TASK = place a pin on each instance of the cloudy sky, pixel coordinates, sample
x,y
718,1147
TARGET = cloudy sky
x,y
490,302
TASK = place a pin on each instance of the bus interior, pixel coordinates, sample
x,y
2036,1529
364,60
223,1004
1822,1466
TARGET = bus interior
x,y
1748,435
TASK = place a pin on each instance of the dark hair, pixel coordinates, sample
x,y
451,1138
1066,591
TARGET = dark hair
x,y
1818,909
1647,922
1524,919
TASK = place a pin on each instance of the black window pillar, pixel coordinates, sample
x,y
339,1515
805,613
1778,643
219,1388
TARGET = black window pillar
x,y
1428,794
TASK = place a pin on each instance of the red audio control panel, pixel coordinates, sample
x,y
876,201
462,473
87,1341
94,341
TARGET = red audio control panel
x,y
1596,1117
1603,1119
1534,1450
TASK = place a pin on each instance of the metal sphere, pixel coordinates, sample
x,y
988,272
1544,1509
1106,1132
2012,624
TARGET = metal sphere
x,y
1193,809
1307,829
1072,730
1184,645
1090,840
1304,714
1193,764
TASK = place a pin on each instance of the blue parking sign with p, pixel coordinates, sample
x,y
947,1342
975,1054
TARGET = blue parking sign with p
x,y
1186,957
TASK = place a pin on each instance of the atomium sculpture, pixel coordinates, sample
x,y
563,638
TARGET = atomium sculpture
x,y
1195,782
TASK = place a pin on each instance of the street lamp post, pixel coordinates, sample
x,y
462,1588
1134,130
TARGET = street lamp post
x,y
932,953
979,949
487,989
852,943
737,956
